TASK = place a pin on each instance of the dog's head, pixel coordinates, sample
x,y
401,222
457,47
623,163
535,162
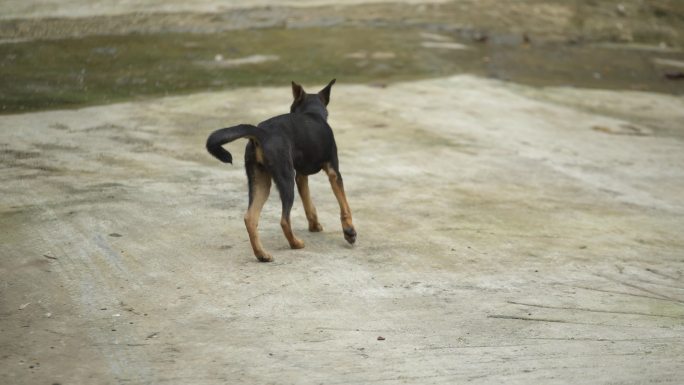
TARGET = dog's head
x,y
311,103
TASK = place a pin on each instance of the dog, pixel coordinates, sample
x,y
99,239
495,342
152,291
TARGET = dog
x,y
287,149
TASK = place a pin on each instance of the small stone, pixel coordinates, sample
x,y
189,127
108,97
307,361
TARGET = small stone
x,y
381,338
675,75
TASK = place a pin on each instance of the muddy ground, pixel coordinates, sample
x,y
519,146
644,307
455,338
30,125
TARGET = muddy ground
x,y
94,54
510,230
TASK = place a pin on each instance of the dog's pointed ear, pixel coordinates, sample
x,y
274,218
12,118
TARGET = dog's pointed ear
x,y
297,91
325,92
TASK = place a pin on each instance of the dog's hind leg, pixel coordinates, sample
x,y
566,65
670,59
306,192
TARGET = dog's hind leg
x,y
335,179
303,188
284,177
259,189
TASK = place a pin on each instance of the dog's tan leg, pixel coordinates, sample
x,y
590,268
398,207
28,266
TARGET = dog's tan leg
x,y
284,178
345,212
261,187
294,242
309,209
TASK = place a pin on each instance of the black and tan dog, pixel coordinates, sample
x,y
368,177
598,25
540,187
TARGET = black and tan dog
x,y
288,148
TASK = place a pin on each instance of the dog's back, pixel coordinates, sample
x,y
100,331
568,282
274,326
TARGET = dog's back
x,y
309,137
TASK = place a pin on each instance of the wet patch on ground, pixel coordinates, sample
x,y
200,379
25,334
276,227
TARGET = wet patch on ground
x,y
103,69
49,63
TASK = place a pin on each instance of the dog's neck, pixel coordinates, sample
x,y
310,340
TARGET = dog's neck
x,y
316,110
309,104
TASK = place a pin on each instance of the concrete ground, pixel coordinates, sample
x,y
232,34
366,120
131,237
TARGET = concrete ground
x,y
507,234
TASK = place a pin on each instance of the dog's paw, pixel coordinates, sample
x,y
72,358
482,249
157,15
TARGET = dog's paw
x,y
349,235
264,257
297,244
315,228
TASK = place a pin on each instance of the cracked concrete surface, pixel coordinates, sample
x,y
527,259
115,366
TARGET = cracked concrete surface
x,y
506,234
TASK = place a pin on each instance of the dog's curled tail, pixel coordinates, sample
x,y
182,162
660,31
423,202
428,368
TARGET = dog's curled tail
x,y
226,135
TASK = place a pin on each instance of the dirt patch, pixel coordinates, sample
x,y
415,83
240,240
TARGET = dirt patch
x,y
579,20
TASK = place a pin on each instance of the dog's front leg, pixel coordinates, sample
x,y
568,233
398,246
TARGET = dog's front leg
x,y
335,179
